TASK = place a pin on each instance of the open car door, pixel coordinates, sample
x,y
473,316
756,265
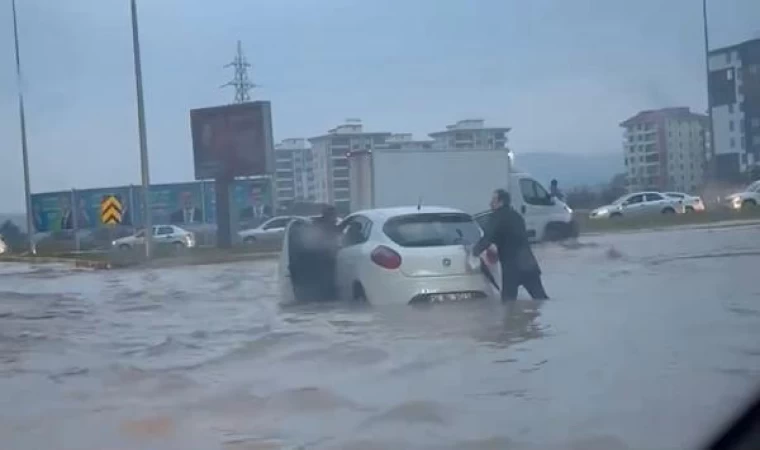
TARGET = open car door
x,y
293,231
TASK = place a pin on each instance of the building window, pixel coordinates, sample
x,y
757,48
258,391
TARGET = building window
x,y
730,108
730,125
732,143
728,58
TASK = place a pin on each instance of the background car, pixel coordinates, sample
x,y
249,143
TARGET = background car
x,y
270,231
691,203
3,246
162,235
403,255
639,204
749,198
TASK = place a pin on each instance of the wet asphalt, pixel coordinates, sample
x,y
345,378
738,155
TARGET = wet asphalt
x,y
650,341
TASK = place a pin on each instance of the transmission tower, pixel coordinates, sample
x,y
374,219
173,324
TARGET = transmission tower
x,y
240,81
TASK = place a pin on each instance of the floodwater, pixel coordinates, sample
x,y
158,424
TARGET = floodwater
x,y
650,341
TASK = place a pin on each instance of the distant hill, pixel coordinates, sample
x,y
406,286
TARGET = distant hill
x,y
571,170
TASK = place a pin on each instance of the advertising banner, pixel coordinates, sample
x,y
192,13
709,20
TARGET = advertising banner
x,y
175,204
88,206
52,211
252,199
232,140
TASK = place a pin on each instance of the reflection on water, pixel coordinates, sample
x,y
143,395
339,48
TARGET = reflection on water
x,y
208,357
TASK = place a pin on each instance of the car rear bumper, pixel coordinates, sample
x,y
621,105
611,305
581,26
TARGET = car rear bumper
x,y
402,290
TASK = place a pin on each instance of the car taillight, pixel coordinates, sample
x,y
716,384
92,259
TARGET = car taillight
x,y
386,257
491,256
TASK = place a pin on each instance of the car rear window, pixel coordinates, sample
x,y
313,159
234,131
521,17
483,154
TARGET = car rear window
x,y
432,230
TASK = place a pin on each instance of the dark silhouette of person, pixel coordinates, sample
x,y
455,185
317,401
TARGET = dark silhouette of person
x,y
187,213
329,234
519,267
554,190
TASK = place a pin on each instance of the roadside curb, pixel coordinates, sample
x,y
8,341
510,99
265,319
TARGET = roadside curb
x,y
156,263
678,227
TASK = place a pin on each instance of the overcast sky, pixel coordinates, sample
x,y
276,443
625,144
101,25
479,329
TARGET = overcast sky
x,y
561,73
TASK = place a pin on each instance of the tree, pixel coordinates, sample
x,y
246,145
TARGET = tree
x,y
12,235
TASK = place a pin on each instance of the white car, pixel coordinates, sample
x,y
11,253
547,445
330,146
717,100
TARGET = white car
x,y
403,255
749,198
162,235
3,246
639,204
691,203
269,231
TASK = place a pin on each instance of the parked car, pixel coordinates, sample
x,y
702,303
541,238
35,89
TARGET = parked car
x,y
749,198
639,204
162,235
402,255
691,203
3,246
268,232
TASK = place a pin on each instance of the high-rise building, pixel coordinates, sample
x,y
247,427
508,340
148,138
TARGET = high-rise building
x,y
470,133
664,149
734,87
330,162
294,179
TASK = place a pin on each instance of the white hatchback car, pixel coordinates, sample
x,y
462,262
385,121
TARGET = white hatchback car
x,y
162,235
401,255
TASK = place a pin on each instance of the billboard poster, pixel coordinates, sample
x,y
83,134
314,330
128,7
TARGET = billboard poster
x,y
52,211
175,204
232,140
88,206
252,199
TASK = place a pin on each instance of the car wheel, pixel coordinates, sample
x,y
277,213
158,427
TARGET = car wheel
x,y
616,215
556,231
124,247
250,240
749,203
668,210
689,209
178,245
358,295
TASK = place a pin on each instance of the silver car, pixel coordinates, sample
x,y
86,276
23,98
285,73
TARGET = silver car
x,y
162,235
691,203
639,204
268,232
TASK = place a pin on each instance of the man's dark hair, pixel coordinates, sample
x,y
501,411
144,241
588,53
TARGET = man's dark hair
x,y
554,182
503,197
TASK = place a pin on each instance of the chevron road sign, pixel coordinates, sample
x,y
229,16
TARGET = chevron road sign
x,y
110,210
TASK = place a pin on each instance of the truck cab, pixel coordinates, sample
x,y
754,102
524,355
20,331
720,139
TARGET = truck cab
x,y
546,218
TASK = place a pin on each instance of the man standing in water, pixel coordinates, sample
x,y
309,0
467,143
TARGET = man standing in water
x,y
506,230
329,234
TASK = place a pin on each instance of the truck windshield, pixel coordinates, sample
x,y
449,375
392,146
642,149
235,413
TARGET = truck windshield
x,y
432,230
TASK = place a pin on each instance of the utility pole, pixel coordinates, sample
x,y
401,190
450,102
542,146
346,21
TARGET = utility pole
x,y
24,147
240,80
712,165
147,219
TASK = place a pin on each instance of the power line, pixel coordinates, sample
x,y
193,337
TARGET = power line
x,y
242,84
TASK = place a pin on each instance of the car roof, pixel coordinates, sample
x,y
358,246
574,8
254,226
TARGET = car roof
x,y
382,214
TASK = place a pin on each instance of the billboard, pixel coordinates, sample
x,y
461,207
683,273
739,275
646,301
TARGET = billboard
x,y
182,204
88,206
176,204
232,141
52,211
251,199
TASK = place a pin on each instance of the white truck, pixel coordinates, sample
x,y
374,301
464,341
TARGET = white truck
x,y
462,179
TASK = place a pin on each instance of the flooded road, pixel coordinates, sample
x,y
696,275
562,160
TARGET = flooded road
x,y
650,341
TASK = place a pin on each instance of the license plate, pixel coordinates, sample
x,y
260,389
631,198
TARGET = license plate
x,y
451,297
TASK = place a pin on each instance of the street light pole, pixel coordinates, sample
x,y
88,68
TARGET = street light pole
x,y
712,164
24,148
146,213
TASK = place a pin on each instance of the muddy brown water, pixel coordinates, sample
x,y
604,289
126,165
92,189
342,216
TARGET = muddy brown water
x,y
650,341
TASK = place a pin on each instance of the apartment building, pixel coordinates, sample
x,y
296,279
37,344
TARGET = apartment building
x,y
734,87
330,163
664,149
470,133
294,178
